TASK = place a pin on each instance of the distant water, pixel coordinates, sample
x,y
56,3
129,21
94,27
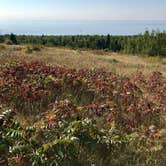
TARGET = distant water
x,y
80,27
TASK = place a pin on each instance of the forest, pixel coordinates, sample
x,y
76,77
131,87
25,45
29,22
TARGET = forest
x,y
150,43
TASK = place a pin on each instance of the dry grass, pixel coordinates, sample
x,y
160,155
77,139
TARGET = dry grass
x,y
77,59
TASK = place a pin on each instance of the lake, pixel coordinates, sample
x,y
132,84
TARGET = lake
x,y
80,27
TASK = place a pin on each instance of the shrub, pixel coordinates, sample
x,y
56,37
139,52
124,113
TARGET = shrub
x,y
8,42
30,49
36,48
80,117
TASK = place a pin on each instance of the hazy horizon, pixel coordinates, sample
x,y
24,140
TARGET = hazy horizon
x,y
116,27
119,17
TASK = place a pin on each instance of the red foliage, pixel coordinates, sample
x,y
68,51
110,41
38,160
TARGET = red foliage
x,y
128,101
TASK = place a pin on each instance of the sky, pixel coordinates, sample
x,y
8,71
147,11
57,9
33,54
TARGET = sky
x,y
82,9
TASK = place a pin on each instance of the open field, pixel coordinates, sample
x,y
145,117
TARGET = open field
x,y
77,59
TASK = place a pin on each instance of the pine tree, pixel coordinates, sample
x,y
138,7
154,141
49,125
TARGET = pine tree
x,y
13,38
108,41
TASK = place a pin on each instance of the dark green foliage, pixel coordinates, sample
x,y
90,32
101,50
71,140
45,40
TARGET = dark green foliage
x,y
153,43
13,38
108,41
1,39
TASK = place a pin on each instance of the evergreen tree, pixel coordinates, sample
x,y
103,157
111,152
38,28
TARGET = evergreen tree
x,y
1,39
108,41
13,38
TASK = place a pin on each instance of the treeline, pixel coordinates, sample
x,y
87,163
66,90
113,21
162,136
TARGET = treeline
x,y
150,43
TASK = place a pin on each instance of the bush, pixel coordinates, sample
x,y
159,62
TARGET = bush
x,y
8,42
13,38
28,50
36,48
86,117
31,49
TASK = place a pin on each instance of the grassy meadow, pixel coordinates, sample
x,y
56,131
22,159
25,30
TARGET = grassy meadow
x,y
118,63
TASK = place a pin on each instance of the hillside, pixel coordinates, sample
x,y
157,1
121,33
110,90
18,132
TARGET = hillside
x,y
64,107
122,64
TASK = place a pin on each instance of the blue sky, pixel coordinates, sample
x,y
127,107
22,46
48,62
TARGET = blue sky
x,y
83,9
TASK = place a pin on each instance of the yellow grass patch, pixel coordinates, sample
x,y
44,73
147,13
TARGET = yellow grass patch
x,y
78,59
